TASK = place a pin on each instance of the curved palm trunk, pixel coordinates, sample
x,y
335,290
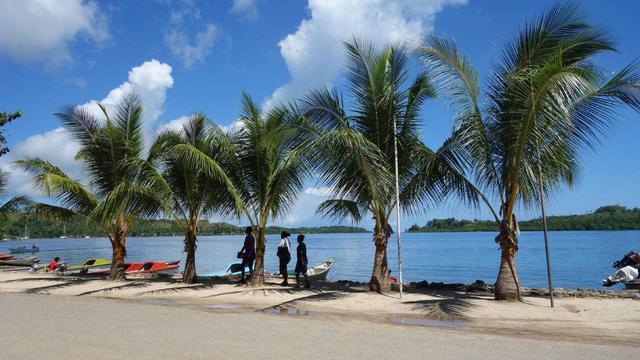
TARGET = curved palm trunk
x,y
380,275
258,270
189,275
119,252
507,286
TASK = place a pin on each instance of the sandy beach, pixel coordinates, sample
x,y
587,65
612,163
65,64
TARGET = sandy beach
x,y
219,319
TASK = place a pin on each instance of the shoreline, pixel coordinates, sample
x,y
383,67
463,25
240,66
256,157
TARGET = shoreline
x,y
592,319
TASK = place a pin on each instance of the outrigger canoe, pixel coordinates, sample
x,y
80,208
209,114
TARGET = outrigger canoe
x,y
28,261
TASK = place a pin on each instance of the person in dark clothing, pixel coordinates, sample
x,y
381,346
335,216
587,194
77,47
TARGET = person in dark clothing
x,y
284,254
248,252
301,263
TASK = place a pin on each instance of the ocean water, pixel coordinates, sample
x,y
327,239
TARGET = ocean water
x,y
578,258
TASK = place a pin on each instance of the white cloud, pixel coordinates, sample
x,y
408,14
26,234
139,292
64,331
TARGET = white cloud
x,y
321,191
248,8
151,80
44,30
315,54
174,125
55,146
191,50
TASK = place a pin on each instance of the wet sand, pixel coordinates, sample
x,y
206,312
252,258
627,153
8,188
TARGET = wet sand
x,y
220,320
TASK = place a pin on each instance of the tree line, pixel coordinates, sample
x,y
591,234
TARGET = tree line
x,y
610,217
78,227
545,103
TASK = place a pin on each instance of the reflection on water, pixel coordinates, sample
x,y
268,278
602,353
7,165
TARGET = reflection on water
x,y
152,301
579,258
222,306
281,310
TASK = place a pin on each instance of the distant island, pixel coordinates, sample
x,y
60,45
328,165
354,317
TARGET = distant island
x,y
77,227
610,217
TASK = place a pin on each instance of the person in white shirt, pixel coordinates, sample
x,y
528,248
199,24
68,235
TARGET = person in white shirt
x,y
284,254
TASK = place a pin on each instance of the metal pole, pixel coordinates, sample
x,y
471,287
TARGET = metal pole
x,y
546,239
395,153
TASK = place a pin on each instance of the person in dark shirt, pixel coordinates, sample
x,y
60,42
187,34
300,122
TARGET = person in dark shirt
x,y
248,252
301,264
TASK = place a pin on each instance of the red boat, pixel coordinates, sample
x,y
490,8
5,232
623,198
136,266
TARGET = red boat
x,y
151,268
6,257
145,269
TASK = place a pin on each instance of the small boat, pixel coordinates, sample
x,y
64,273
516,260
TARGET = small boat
x,y
627,273
316,272
28,261
6,256
24,250
152,268
92,265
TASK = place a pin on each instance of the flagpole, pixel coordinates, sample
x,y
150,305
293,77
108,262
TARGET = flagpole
x,y
546,239
395,153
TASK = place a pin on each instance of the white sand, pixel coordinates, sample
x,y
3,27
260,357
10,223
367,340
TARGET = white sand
x,y
160,317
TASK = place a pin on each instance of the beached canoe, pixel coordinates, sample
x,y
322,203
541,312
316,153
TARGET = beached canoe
x,y
90,266
6,256
316,272
24,250
234,269
28,261
152,269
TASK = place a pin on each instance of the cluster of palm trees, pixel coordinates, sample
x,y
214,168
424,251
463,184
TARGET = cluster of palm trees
x,y
544,104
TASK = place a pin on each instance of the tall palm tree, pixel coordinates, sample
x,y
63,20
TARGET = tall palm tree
x,y
546,103
123,186
194,162
270,171
13,204
355,152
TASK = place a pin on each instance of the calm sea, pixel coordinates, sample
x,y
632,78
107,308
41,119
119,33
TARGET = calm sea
x,y
579,259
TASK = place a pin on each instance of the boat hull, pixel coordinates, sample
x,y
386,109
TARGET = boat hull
x,y
28,261
316,272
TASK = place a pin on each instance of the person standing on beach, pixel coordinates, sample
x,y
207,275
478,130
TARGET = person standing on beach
x,y
284,254
302,261
248,252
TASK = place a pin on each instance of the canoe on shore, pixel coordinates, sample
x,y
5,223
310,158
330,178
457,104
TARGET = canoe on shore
x,y
6,256
145,269
316,272
28,261
90,266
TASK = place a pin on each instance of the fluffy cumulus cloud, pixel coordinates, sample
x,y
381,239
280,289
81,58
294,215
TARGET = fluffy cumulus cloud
x,y
247,8
315,54
191,49
151,80
44,30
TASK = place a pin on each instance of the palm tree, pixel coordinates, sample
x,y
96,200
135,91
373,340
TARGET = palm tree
x,y
123,187
355,153
12,205
546,103
195,160
270,171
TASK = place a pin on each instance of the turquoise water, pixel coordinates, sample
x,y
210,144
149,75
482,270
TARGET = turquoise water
x,y
579,259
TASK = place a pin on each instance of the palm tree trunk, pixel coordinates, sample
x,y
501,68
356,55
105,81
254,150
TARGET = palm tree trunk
x,y
258,270
118,255
507,285
380,276
189,275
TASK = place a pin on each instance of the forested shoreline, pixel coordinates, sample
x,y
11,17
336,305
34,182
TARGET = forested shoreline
x,y
78,227
610,217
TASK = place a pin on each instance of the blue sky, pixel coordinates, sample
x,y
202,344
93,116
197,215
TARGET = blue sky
x,y
190,56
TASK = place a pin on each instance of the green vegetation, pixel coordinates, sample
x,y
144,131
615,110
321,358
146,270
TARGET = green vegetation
x,y
546,104
6,118
77,226
611,217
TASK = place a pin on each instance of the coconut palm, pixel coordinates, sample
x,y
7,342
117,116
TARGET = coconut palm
x,y
13,204
123,187
193,161
546,103
355,153
270,171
